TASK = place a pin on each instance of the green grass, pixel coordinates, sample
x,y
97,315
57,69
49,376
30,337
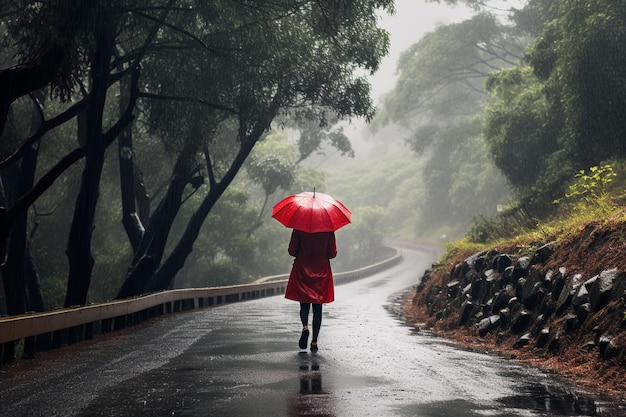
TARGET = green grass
x,y
598,194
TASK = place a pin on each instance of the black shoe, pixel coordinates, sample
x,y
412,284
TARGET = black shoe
x,y
313,347
304,337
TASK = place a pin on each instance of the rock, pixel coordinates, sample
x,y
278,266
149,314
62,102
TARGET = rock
x,y
508,298
478,290
547,280
453,288
500,301
571,323
502,262
534,299
543,253
470,277
488,325
514,304
480,262
532,290
607,348
443,314
547,306
507,275
581,297
505,317
467,309
570,288
522,341
558,282
501,338
457,271
583,311
602,288
521,322
542,337
466,290
520,269
590,345
470,262
619,287
554,341
541,320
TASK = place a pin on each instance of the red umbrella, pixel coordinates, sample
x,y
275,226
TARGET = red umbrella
x,y
312,212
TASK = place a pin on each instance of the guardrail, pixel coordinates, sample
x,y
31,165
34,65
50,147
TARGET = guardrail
x,y
53,329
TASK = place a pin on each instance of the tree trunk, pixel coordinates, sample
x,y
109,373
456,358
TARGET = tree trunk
x,y
176,260
13,267
164,276
130,218
81,231
146,273
150,253
23,177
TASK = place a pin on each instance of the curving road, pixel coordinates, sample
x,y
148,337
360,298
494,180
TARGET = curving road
x,y
242,360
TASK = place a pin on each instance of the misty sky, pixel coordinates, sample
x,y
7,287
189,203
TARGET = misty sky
x,y
413,18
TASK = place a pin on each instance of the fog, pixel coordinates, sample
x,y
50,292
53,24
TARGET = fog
x,y
412,20
368,188
384,172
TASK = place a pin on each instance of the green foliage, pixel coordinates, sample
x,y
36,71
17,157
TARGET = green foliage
x,y
225,236
520,132
486,229
592,186
438,100
53,288
580,60
271,171
593,194
456,249
308,178
361,242
591,189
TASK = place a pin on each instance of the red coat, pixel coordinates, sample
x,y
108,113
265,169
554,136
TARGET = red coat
x,y
311,278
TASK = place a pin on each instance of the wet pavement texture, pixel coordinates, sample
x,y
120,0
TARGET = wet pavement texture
x,y
243,360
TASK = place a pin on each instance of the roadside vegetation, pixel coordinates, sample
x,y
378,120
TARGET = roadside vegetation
x,y
128,154
597,194
586,238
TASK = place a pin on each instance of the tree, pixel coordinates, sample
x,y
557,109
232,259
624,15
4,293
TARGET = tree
x,y
580,56
438,99
329,42
520,132
562,112
272,169
237,68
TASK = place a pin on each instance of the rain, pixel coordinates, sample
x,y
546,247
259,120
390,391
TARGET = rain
x,y
145,144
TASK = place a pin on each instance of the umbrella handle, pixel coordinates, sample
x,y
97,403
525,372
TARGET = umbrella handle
x,y
313,192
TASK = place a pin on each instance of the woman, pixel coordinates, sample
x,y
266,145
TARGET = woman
x,y
311,278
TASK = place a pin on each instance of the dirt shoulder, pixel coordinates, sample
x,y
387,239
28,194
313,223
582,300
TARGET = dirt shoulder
x,y
581,367
577,356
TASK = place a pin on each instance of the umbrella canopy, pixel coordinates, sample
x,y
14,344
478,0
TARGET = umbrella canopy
x,y
312,212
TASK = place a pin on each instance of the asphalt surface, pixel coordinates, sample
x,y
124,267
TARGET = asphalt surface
x,y
243,360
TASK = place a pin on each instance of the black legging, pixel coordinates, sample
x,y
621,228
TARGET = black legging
x,y
317,318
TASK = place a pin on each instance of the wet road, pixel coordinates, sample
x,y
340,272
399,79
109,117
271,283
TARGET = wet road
x,y
243,360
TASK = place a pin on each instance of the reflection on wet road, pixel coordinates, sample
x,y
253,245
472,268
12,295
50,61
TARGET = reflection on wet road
x,y
243,360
